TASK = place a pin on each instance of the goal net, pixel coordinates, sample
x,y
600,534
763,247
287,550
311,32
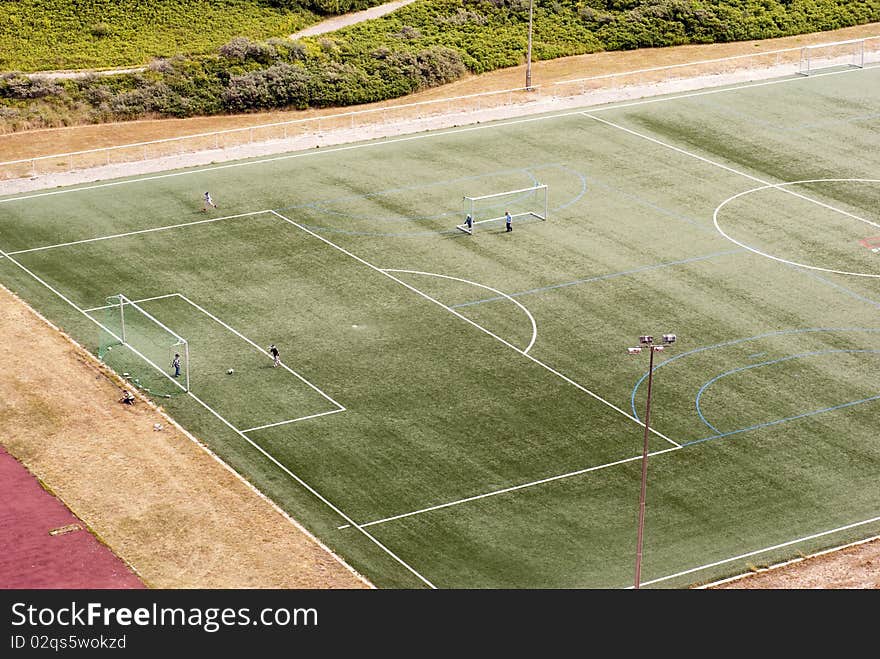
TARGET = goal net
x,y
525,202
142,349
850,53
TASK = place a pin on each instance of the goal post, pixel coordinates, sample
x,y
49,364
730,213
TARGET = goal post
x,y
533,201
142,349
818,57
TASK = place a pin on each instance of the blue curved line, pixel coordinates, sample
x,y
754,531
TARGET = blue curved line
x,y
321,207
767,363
778,421
735,342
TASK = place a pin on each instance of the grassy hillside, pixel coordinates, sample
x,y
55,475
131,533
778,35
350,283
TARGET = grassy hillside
x,y
40,35
425,44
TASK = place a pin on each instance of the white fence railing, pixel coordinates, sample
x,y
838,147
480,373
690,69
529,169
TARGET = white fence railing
x,y
299,133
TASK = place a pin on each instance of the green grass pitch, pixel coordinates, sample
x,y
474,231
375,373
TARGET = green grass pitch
x,y
460,411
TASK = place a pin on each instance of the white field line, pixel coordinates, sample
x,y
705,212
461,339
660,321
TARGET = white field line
x,y
430,135
799,559
488,288
479,327
776,258
302,418
318,495
262,350
767,184
271,458
192,438
133,233
509,489
145,299
761,551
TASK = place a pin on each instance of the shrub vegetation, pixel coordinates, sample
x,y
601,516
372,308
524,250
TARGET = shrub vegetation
x,y
427,43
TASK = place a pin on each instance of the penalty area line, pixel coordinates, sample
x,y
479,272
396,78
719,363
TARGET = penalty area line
x,y
471,322
508,489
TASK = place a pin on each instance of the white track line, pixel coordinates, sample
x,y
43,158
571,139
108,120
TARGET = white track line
x,y
499,124
114,306
133,233
271,458
510,489
761,551
302,418
763,183
488,288
470,322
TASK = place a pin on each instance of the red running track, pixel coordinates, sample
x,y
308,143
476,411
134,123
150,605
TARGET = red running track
x,y
31,557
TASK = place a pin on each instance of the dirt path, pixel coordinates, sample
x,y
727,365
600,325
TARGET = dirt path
x,y
338,22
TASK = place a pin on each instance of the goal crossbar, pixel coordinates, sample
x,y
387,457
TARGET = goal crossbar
x,y
849,52
481,209
179,343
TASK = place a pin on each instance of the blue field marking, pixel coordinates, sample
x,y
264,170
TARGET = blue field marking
x,y
839,287
778,421
735,342
642,201
797,128
323,205
644,268
767,363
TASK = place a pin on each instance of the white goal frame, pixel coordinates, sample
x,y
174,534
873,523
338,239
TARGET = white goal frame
x,y
837,53
471,203
180,344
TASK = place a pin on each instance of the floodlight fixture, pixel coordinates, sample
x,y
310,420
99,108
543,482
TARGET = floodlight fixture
x,y
648,341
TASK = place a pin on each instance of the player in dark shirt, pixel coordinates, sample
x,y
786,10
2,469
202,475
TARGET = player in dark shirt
x,y
276,357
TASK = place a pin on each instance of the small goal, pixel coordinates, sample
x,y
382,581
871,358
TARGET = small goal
x,y
525,202
142,349
819,57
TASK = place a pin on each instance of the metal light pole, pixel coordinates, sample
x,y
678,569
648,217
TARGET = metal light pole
x,y
647,342
529,54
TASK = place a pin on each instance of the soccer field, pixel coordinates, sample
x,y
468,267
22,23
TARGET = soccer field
x,y
460,411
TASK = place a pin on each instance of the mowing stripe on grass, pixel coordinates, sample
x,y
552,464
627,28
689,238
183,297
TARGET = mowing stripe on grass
x,y
262,350
470,322
133,233
514,488
612,275
778,421
737,341
409,138
853,294
762,551
504,296
783,187
271,458
768,363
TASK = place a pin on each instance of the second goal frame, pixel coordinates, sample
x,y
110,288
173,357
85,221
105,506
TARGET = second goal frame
x,y
532,201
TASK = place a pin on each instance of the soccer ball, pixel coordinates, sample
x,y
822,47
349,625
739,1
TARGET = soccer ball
x,y
230,371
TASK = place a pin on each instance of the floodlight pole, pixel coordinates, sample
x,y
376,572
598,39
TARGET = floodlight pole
x,y
647,342
644,487
529,53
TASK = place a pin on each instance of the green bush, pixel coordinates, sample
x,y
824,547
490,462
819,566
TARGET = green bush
x,y
426,43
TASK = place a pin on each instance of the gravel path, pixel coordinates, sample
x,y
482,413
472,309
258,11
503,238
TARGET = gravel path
x,y
338,22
